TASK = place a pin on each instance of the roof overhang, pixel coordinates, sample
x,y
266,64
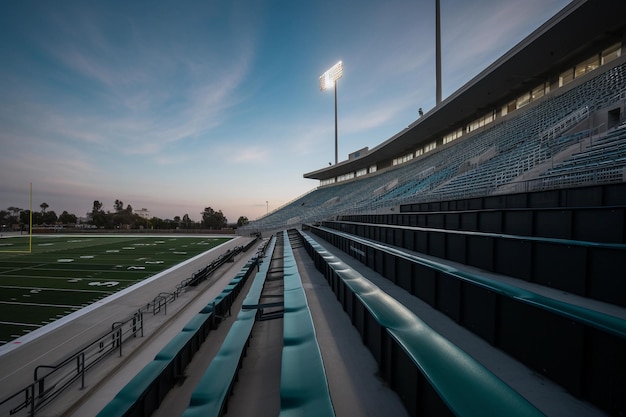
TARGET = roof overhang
x,y
580,26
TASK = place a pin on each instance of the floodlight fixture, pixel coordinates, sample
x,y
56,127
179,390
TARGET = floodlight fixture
x,y
328,80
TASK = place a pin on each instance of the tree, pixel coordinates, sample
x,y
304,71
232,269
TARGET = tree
x,y
119,205
25,217
44,206
15,218
49,217
67,218
158,223
186,220
97,206
98,217
212,219
37,218
243,220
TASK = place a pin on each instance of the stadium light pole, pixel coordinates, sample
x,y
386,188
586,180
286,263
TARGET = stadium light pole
x,y
327,80
438,50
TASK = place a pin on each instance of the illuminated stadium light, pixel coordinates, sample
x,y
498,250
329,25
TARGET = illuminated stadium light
x,y
328,80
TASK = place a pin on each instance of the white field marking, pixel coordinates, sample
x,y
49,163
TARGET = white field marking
x,y
180,253
6,244
45,244
16,343
51,289
112,250
134,268
65,260
38,305
104,284
154,262
87,257
14,323
53,278
128,248
129,236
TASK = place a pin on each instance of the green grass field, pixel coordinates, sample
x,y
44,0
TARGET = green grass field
x,y
67,272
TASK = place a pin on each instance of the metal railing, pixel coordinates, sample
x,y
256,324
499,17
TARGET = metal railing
x,y
50,381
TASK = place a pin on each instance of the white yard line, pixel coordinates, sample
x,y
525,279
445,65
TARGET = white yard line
x,y
47,289
38,304
20,324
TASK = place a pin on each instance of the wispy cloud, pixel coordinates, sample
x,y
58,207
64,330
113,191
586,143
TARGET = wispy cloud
x,y
133,104
248,154
120,100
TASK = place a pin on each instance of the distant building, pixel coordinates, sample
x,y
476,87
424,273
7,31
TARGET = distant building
x,y
143,213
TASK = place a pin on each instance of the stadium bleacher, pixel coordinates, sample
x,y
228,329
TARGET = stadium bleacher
x,y
535,199
604,157
508,241
450,381
517,144
144,393
210,398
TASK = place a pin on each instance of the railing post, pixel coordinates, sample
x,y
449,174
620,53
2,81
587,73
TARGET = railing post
x,y
119,339
80,368
141,320
113,341
31,399
41,387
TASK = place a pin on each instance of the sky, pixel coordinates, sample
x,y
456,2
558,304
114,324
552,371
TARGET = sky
x,y
181,105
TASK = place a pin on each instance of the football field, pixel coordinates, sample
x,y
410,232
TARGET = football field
x,y
64,273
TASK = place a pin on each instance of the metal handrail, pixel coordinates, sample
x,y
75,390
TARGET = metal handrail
x,y
72,368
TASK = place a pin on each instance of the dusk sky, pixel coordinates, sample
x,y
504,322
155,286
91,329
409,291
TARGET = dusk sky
x,y
177,106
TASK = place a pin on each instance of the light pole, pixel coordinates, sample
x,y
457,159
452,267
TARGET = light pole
x,y
438,51
327,80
